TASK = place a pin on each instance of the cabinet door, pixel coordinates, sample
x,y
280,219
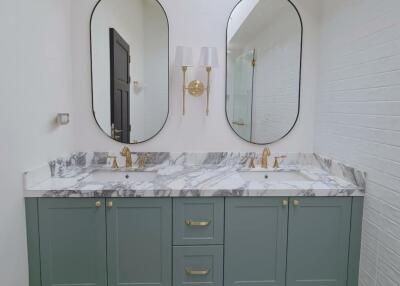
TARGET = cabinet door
x,y
72,242
318,241
255,241
139,241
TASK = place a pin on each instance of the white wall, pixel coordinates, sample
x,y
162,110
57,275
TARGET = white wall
x,y
35,84
196,24
359,119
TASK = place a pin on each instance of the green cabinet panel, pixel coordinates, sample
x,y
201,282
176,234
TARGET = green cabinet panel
x,y
318,241
198,265
198,221
72,242
355,241
139,242
255,241
32,231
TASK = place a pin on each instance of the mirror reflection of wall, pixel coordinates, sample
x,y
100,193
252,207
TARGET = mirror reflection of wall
x,y
263,69
129,41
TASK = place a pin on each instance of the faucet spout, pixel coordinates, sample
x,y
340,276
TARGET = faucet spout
x,y
126,152
264,158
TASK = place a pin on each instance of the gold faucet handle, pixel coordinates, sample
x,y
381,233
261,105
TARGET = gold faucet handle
x,y
276,161
114,162
142,158
252,164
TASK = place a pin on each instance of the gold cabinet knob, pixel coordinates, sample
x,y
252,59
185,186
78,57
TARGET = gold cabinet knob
x,y
285,203
98,204
110,204
296,203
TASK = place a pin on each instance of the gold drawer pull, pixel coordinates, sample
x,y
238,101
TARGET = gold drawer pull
x,y
190,222
98,204
296,203
198,272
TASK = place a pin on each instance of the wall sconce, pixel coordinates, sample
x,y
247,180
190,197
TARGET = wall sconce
x,y
184,59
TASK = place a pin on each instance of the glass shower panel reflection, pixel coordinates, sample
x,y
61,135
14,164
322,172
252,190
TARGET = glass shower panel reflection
x,y
240,93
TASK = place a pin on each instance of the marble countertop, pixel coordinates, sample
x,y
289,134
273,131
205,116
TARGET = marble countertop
x,y
192,175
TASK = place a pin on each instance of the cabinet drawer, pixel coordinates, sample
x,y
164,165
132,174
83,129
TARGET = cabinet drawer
x,y
200,265
198,221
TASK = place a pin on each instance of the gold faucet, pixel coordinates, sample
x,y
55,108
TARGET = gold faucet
x,y
276,161
128,157
264,158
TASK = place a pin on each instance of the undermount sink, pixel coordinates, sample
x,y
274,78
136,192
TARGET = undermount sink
x,y
103,176
276,176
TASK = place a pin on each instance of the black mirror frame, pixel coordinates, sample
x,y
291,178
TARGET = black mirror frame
x,y
91,78
226,78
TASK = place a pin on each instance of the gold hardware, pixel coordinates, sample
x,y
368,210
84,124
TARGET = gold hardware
x,y
142,160
296,203
184,70
126,152
190,222
198,272
114,162
208,69
98,204
264,159
252,164
285,203
276,161
109,204
196,88
253,63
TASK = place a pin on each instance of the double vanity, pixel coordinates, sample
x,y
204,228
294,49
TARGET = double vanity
x,y
194,219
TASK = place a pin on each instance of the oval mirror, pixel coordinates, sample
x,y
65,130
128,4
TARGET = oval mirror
x,y
263,58
130,73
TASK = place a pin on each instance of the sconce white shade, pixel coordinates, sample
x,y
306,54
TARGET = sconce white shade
x,y
209,57
184,56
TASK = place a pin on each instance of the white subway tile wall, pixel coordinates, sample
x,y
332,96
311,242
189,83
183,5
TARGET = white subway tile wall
x,y
358,119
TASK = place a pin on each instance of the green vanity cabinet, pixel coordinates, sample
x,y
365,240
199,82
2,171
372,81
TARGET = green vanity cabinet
x,y
255,241
72,242
232,241
139,242
318,241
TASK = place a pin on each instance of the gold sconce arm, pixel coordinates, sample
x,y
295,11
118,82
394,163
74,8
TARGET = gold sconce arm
x,y
184,70
208,89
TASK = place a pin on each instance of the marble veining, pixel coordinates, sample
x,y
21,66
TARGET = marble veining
x,y
192,175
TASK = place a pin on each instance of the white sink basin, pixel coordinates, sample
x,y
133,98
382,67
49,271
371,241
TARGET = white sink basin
x,y
104,176
275,176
